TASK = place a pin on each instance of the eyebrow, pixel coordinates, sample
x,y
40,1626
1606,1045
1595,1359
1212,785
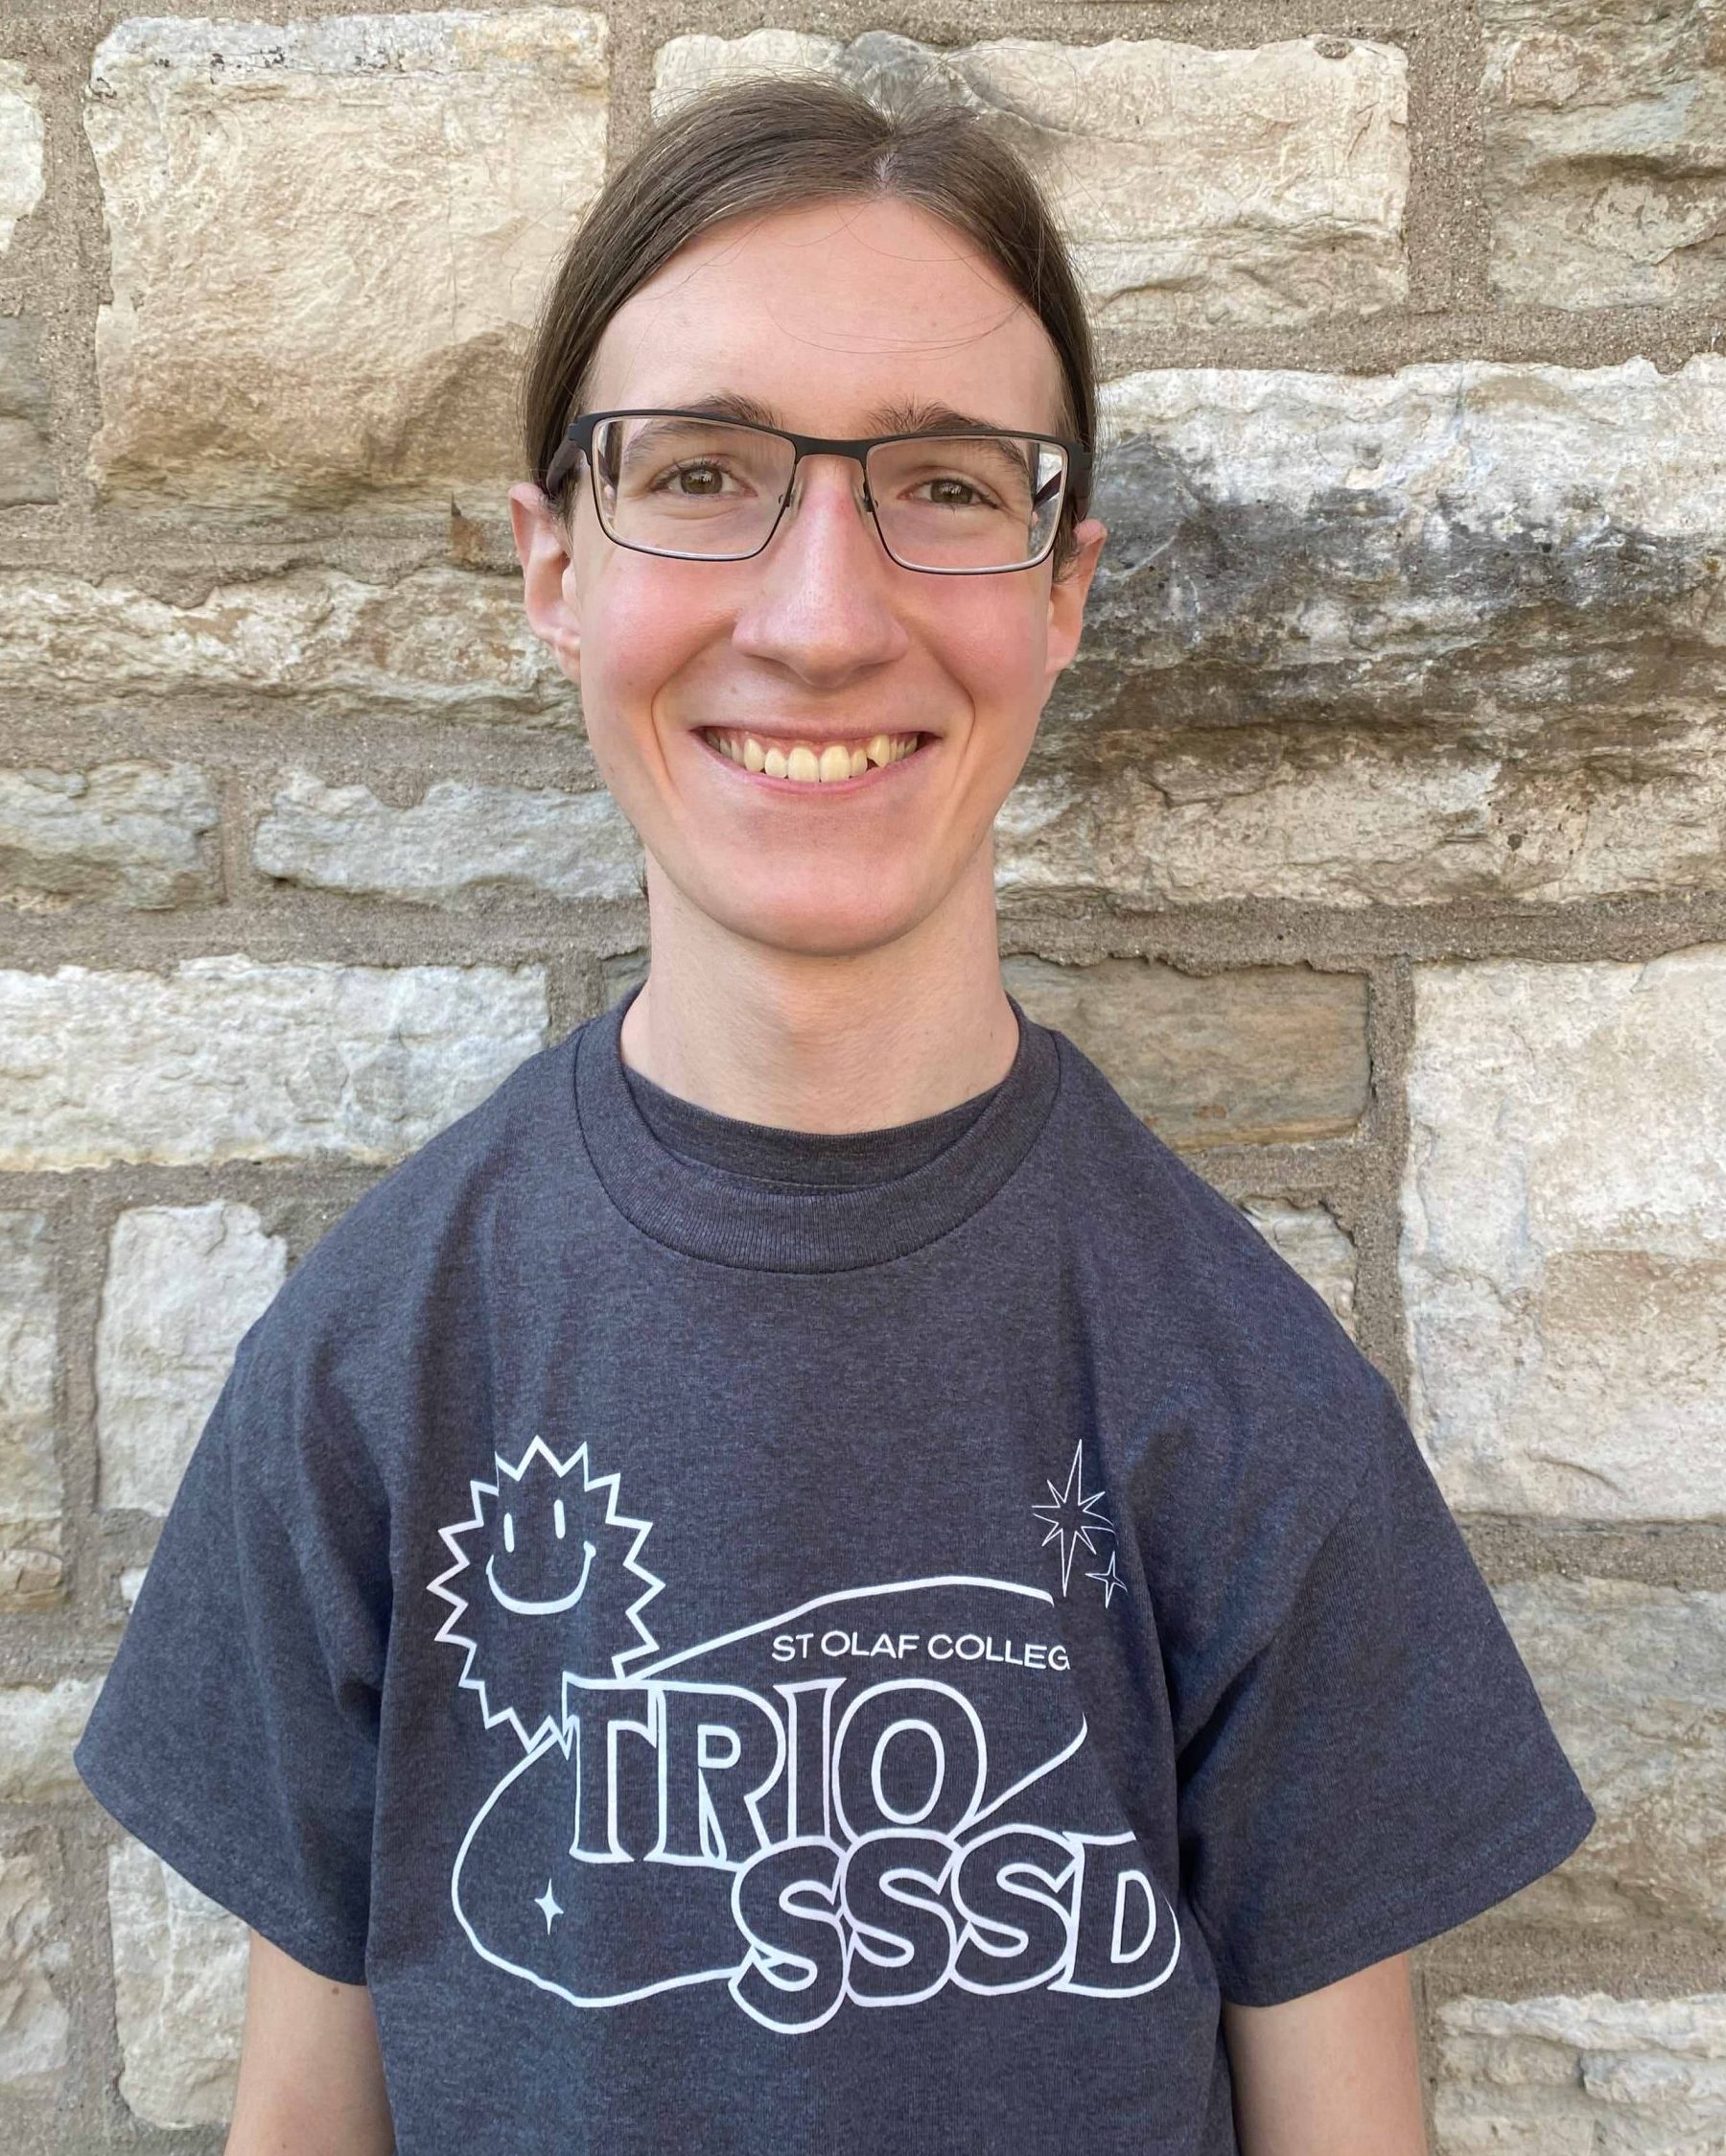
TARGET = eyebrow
x,y
896,416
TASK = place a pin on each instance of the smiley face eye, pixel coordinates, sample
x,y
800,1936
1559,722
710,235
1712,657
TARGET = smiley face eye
x,y
509,1532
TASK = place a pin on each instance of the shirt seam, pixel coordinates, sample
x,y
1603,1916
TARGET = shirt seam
x,y
1430,1887
861,1265
155,1811
1270,1639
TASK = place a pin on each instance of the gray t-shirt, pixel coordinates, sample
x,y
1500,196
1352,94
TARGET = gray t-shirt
x,y
775,1641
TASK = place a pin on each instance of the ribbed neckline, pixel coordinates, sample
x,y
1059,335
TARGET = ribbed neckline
x,y
820,1160
749,1194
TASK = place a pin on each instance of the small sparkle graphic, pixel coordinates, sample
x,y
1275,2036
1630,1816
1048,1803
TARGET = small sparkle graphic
x,y
549,1904
1109,1580
1072,1518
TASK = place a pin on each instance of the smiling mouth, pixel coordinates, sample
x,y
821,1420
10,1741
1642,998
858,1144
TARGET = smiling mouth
x,y
814,761
517,1607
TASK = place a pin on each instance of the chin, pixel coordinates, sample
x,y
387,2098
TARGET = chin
x,y
819,924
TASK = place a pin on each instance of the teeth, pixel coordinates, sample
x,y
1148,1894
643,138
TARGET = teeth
x,y
806,762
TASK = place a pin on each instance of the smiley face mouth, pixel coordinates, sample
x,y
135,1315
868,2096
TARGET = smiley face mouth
x,y
518,1606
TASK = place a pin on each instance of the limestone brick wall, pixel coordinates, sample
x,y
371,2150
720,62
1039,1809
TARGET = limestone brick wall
x,y
1376,846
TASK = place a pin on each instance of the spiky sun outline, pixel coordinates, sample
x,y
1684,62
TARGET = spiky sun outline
x,y
477,1493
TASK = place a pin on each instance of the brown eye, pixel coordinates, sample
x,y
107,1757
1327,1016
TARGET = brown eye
x,y
953,494
699,481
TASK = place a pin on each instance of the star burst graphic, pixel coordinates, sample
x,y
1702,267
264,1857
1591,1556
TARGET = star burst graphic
x,y
546,1577
1072,1518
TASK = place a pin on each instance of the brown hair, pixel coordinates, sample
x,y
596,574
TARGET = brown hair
x,y
770,144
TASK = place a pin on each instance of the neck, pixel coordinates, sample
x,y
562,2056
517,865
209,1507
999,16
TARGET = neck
x,y
810,1041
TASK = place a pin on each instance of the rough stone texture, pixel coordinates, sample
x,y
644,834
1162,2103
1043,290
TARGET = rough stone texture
x,y
1315,1244
26,460
1456,632
183,1284
1605,141
21,139
1563,1248
39,1723
1592,2076
458,842
31,1568
180,1992
435,644
1261,1053
326,240
620,973
33,1961
1634,1678
222,1059
1255,188
134,833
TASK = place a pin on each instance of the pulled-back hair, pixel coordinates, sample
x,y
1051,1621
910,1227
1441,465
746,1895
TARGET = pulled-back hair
x,y
771,144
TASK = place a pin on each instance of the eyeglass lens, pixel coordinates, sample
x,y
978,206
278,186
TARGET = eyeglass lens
x,y
672,484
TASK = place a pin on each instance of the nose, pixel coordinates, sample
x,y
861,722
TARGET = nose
x,y
822,602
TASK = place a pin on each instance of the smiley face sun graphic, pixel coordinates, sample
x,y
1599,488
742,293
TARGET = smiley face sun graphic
x,y
548,1578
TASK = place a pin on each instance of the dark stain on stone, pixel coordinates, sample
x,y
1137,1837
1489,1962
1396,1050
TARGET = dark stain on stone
x,y
1201,609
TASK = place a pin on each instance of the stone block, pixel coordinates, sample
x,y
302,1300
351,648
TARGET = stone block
x,y
131,833
34,1968
620,973
39,1723
1254,188
1456,632
224,1059
1312,1239
458,843
1563,1248
1259,1054
1581,2076
184,1284
1634,1679
31,1572
180,1992
436,644
327,239
22,182
1603,127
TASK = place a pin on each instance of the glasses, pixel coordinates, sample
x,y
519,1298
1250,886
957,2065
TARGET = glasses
x,y
966,502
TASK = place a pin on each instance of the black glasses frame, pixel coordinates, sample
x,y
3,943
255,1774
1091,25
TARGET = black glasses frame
x,y
578,443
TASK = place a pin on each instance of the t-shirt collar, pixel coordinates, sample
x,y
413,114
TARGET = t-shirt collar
x,y
800,1201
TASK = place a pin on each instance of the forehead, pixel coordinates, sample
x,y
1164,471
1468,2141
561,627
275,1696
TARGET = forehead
x,y
829,313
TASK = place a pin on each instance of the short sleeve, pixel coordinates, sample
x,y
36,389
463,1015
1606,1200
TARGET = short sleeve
x,y
1382,1768
237,1731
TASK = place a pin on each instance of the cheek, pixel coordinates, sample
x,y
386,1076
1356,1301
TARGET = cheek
x,y
994,649
640,628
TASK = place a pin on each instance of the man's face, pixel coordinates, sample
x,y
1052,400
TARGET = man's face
x,y
842,319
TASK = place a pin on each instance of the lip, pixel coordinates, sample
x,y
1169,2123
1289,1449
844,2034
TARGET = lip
x,y
840,788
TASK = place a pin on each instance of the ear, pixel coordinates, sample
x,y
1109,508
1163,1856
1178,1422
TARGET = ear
x,y
548,582
1068,594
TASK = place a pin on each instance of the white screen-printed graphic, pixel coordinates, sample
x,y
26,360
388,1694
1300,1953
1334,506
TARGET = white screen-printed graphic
x,y
552,1581
861,1801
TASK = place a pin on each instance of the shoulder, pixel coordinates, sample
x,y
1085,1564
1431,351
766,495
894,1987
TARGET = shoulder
x,y
405,1272
1233,1367
1172,1246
